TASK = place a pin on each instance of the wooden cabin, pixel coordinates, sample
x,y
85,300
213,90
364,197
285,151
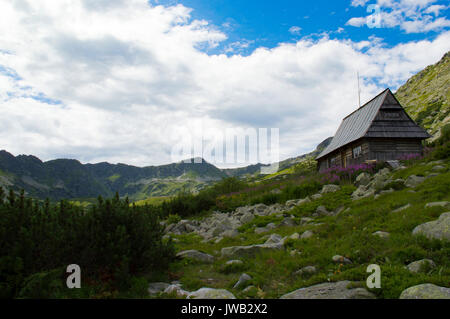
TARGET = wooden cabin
x,y
379,130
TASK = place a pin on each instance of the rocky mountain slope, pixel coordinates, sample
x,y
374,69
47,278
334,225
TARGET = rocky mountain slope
x,y
426,96
321,246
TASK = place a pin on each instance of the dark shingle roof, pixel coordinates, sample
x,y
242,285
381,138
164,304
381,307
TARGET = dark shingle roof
x,y
360,124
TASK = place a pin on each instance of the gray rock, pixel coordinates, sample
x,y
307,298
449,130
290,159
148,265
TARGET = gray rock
x,y
419,265
362,192
238,251
155,288
177,290
362,179
273,239
329,189
196,255
341,259
438,168
294,236
402,208
444,204
316,196
436,229
381,234
247,218
230,233
260,230
242,281
426,291
288,221
332,290
413,181
306,220
307,234
234,262
276,191
308,270
322,211
210,293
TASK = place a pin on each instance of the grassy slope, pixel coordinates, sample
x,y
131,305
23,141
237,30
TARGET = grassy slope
x,y
426,95
349,234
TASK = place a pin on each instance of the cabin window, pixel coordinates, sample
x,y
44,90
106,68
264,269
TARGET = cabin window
x,y
357,151
333,161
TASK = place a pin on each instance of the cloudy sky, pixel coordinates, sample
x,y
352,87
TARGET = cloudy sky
x,y
126,80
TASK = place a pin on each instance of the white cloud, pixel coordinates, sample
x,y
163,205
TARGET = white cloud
x,y
295,30
412,16
130,77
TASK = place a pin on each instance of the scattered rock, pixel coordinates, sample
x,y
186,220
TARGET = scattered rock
x,y
242,281
247,218
234,262
273,239
322,211
413,181
316,196
177,290
334,290
438,168
288,221
308,270
196,255
276,191
306,220
438,204
237,251
362,192
330,189
307,234
436,229
381,234
294,236
341,259
362,179
426,291
419,265
155,288
210,293
402,208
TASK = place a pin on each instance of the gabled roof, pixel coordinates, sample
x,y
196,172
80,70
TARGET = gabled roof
x,y
360,124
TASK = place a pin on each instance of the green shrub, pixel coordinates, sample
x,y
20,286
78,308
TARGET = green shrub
x,y
110,241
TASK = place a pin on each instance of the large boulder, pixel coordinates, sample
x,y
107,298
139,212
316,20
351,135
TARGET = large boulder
x,y
338,259
362,179
247,218
330,189
444,204
426,291
362,192
273,239
196,255
436,229
176,289
420,265
333,290
210,293
307,234
238,251
155,288
243,280
413,181
308,270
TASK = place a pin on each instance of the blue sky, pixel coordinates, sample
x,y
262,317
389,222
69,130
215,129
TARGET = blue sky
x,y
131,80
268,23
